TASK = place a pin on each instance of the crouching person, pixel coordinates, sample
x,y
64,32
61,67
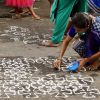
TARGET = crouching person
x,y
88,46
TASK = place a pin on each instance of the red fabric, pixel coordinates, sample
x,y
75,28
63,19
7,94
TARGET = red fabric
x,y
20,3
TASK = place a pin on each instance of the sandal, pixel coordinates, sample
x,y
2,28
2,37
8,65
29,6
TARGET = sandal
x,y
47,43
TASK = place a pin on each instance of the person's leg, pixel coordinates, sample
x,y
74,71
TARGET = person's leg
x,y
51,2
61,14
26,11
14,10
20,10
34,15
17,13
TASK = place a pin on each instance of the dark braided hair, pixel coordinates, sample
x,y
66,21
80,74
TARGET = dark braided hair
x,y
81,20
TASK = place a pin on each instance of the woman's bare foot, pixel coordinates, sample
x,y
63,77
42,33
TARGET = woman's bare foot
x,y
36,17
48,43
95,65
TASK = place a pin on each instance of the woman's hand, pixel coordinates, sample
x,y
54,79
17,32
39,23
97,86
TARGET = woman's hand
x,y
82,63
57,63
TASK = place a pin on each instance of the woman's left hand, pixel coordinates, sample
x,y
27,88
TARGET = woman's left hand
x,y
82,63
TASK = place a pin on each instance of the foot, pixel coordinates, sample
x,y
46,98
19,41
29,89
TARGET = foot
x,y
36,17
48,43
95,65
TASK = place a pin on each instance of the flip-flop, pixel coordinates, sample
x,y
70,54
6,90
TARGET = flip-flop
x,y
47,43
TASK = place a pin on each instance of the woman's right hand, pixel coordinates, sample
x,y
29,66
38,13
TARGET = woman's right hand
x,y
57,63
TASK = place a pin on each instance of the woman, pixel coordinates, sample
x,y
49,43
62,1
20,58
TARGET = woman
x,y
88,29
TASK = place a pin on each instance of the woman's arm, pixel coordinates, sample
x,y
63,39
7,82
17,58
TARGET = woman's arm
x,y
93,57
65,43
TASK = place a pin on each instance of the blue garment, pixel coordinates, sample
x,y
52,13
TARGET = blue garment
x,y
94,6
72,32
91,40
97,3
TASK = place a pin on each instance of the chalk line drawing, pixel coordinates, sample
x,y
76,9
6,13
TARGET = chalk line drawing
x,y
18,76
17,33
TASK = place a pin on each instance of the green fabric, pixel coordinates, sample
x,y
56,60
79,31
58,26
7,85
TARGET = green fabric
x,y
60,12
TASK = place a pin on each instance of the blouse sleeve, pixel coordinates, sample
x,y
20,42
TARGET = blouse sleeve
x,y
72,32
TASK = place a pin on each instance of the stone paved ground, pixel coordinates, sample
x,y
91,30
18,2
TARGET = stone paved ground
x,y
26,71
